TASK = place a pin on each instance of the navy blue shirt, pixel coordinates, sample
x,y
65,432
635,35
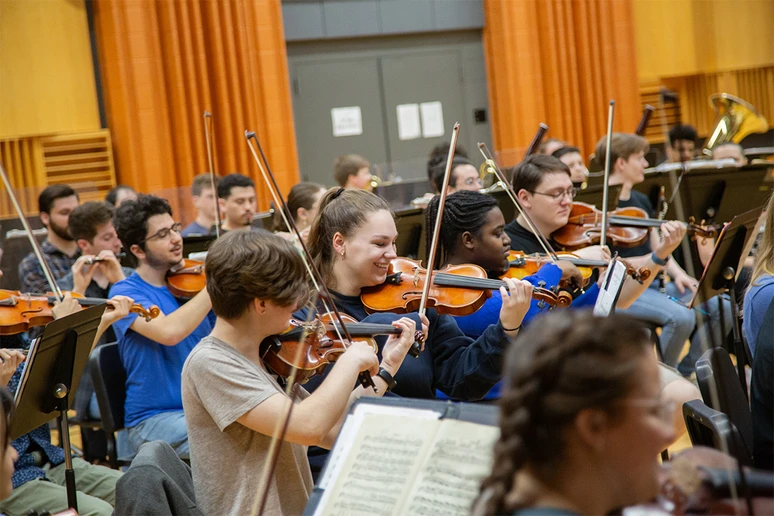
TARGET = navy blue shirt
x,y
153,371
196,229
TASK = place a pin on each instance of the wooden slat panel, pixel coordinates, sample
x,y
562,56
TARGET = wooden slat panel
x,y
82,160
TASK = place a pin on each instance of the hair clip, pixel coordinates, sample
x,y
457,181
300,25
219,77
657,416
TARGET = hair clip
x,y
338,192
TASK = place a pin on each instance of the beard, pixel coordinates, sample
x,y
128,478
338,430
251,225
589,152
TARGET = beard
x,y
60,231
158,262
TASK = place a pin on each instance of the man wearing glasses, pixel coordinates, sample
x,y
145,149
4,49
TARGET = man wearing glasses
x,y
153,353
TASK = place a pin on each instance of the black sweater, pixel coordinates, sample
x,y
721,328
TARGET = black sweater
x,y
460,367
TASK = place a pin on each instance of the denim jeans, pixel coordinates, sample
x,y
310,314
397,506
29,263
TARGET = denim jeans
x,y
166,426
676,321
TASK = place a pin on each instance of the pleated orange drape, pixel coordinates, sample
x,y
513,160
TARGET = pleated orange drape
x,y
164,62
559,62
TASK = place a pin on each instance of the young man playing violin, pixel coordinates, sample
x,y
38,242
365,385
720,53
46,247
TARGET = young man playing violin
x,y
153,352
627,158
256,280
544,187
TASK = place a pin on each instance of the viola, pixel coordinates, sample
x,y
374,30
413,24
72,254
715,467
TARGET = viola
x,y
20,312
456,290
628,227
321,347
187,280
521,265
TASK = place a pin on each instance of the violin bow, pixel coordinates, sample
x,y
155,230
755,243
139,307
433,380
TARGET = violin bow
x,y
539,135
606,183
438,219
495,169
209,137
33,241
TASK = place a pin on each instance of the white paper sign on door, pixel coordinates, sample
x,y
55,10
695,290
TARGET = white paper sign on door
x,y
347,121
408,121
432,119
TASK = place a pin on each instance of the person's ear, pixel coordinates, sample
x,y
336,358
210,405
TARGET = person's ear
x,y
339,246
591,426
525,198
137,251
82,244
302,214
468,240
45,218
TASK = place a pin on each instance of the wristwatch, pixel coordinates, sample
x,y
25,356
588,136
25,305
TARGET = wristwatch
x,y
387,377
658,261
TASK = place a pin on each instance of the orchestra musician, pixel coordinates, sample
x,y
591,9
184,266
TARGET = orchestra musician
x,y
237,201
153,352
464,174
204,200
627,159
571,157
730,150
38,468
59,249
256,281
582,420
303,203
351,171
682,143
119,194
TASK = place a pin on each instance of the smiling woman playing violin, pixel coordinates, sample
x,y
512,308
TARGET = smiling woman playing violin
x,y
353,243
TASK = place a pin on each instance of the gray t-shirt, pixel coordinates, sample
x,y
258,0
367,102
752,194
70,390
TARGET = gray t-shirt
x,y
219,386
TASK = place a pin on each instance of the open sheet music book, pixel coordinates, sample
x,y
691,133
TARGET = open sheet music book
x,y
391,460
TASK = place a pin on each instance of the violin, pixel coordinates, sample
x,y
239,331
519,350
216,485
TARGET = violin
x,y
187,280
456,290
321,347
521,265
20,312
628,227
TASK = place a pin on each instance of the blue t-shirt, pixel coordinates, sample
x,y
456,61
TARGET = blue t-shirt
x,y
756,302
153,371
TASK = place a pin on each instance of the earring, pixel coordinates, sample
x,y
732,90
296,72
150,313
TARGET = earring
x,y
342,253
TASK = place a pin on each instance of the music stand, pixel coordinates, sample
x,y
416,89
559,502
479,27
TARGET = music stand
x,y
733,246
53,370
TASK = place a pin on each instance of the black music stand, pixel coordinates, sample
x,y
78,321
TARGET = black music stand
x,y
733,246
54,367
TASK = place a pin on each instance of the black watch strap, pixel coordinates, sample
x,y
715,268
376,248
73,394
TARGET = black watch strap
x,y
387,377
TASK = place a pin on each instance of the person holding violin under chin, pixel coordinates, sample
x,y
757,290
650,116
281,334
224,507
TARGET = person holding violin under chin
x,y
153,352
233,402
39,470
627,168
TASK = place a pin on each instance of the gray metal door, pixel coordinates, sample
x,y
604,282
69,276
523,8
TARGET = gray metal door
x,y
322,86
429,84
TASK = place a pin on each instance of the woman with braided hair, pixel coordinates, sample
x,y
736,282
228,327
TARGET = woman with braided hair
x,y
582,420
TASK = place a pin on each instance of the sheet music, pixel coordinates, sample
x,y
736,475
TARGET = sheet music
x,y
612,282
26,366
383,460
350,429
460,458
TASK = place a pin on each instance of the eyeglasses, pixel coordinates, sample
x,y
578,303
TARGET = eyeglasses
x,y
163,232
570,193
473,181
662,409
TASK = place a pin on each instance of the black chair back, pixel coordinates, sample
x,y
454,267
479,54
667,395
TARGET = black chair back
x,y
109,377
715,366
708,427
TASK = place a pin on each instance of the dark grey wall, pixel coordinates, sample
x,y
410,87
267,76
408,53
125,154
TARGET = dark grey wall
x,y
327,19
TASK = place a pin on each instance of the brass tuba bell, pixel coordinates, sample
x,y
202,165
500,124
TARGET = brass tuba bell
x,y
736,118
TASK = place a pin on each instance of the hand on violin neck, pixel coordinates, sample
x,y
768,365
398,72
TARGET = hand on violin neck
x,y
516,301
672,234
67,306
570,272
396,347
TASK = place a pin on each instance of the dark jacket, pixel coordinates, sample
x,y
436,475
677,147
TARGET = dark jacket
x,y
157,483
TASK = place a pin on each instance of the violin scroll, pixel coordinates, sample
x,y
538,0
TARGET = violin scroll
x,y
148,314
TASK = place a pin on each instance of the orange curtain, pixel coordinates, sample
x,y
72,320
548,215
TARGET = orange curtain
x,y
559,62
164,62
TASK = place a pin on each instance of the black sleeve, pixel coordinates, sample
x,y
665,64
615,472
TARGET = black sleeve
x,y
466,369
